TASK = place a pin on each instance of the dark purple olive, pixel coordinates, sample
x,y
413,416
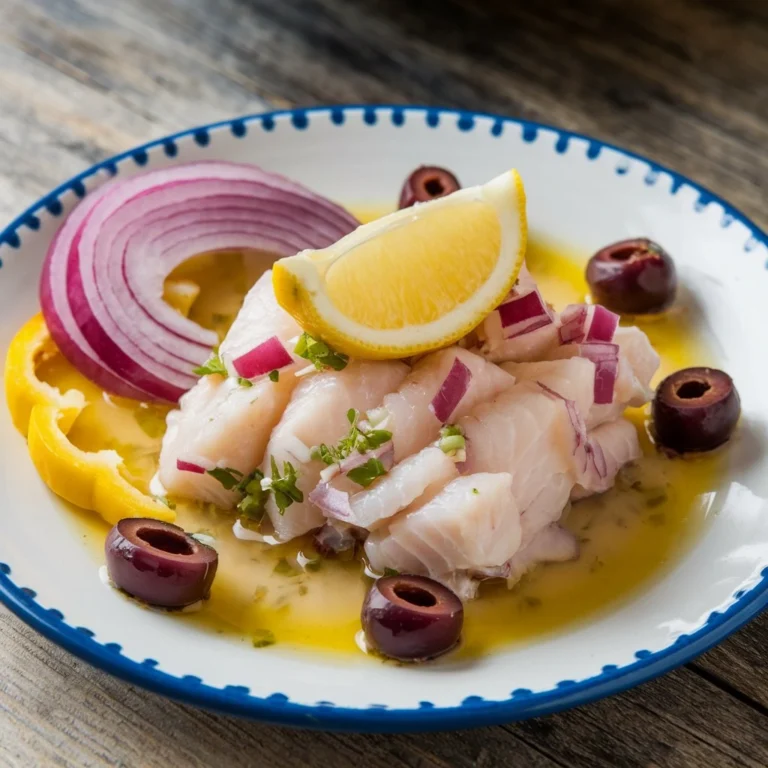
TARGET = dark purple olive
x,y
695,410
632,277
159,563
427,183
411,618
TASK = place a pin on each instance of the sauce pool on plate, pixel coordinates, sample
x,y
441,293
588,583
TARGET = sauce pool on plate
x,y
290,596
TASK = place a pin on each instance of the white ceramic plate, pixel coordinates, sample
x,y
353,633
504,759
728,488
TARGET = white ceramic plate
x,y
581,192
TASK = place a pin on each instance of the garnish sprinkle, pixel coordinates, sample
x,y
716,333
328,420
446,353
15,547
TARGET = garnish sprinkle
x,y
263,638
274,375
355,439
244,382
320,354
284,488
451,439
366,473
254,498
213,365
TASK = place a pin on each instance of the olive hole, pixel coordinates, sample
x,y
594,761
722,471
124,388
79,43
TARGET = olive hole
x,y
415,596
166,541
624,254
692,390
434,186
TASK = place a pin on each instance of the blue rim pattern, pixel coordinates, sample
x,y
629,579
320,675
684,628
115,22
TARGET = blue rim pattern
x,y
277,708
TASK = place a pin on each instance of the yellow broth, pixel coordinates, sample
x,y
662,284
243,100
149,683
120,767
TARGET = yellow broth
x,y
287,594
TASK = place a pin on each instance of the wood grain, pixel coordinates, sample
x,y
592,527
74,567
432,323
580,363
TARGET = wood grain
x,y
680,80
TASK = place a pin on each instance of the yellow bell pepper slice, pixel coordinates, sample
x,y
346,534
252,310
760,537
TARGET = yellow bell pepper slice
x,y
42,413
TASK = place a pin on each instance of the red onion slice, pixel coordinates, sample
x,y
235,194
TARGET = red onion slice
x,y
577,423
385,453
271,355
331,502
453,388
523,314
188,466
102,282
606,360
583,323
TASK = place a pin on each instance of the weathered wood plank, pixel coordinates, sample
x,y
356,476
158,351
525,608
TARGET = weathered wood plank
x,y
682,81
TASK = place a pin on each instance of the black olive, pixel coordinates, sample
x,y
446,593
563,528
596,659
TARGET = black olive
x,y
159,563
411,618
632,277
427,183
695,410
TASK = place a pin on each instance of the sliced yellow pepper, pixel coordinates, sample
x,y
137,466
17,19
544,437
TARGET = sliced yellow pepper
x,y
45,415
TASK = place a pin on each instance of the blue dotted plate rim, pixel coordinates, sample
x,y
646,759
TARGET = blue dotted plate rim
x,y
474,710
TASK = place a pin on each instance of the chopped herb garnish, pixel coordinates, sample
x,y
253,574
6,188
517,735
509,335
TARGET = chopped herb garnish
x,y
452,439
228,477
284,487
168,503
354,440
366,473
244,382
274,375
284,568
320,354
303,589
263,638
391,572
475,491
151,422
214,364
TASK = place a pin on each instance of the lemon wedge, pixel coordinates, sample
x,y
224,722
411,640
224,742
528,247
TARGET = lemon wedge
x,y
415,280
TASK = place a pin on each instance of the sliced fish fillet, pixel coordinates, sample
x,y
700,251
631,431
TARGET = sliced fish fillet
x,y
220,424
317,413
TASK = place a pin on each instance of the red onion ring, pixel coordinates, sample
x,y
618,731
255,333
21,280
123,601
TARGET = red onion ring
x,y
102,281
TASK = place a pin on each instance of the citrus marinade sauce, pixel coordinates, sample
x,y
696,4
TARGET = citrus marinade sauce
x,y
286,594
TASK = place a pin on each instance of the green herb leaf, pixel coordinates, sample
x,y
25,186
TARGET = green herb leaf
x,y
366,473
263,638
228,477
214,364
354,440
322,453
352,415
244,382
377,437
391,572
274,375
284,488
475,491
320,354
284,568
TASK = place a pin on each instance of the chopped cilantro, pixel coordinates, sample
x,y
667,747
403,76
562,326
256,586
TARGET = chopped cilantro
x,y
320,354
228,477
274,375
244,382
253,496
263,638
214,364
284,488
391,572
366,473
355,439
475,491
284,568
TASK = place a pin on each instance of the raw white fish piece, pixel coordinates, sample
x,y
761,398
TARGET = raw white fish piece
x,y
259,319
573,378
472,523
552,544
317,413
407,413
523,432
220,423
408,482
608,449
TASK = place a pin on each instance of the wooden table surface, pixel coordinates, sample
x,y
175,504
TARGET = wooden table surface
x,y
682,81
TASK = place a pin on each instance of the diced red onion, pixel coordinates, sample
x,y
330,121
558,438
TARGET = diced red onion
x,y
523,314
268,356
102,281
188,466
606,360
385,453
583,323
453,388
331,501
